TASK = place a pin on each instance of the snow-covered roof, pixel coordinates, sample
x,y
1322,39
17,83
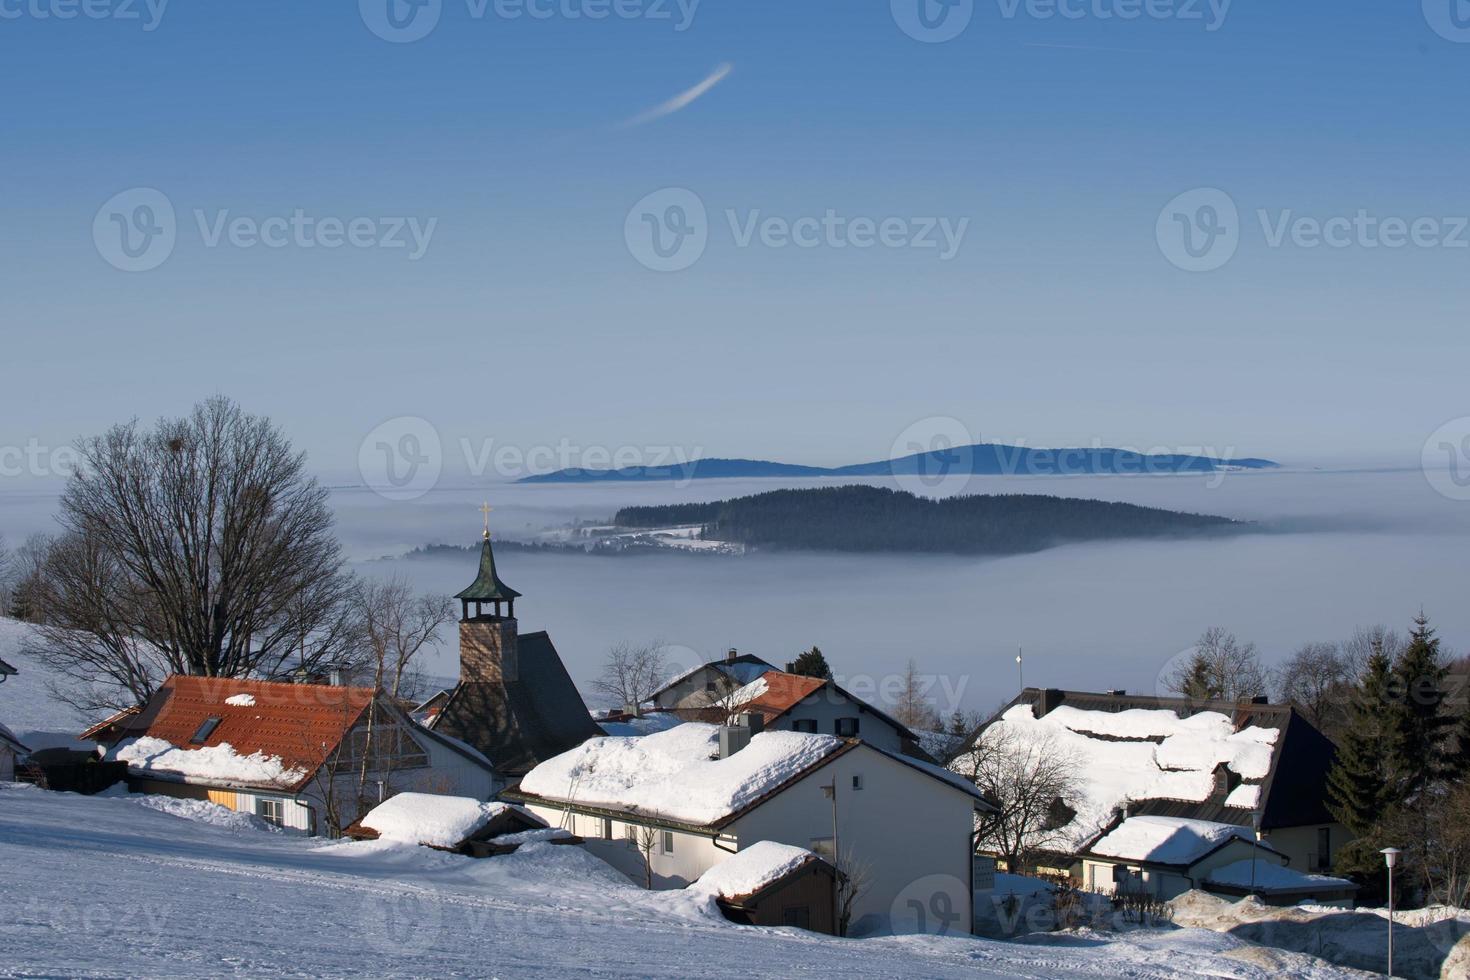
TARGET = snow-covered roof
x,y
744,669
676,775
757,866
8,738
1274,877
1167,840
215,763
438,821
1141,754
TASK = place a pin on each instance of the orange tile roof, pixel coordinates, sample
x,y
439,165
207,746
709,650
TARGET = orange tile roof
x,y
783,692
301,723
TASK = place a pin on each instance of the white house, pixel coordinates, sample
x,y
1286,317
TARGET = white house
x,y
290,753
696,688
688,798
821,707
1167,856
11,749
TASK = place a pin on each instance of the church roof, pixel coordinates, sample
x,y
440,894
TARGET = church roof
x,y
487,586
521,722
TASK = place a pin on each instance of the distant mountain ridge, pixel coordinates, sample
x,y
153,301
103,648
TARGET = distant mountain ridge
x,y
983,459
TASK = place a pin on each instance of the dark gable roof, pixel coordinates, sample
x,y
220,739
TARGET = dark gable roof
x,y
522,722
1293,793
743,658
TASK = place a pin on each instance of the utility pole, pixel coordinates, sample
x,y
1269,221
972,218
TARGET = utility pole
x,y
1020,673
831,793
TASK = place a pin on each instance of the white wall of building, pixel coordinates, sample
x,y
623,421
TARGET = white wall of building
x,y
7,764
827,706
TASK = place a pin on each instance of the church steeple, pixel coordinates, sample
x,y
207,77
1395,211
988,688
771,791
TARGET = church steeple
x,y
487,586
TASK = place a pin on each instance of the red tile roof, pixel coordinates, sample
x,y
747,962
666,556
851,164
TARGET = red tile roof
x,y
783,692
301,723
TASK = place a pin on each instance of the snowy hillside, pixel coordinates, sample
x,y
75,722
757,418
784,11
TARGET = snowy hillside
x,y
206,900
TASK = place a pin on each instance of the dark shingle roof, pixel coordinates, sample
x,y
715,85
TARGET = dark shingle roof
x,y
519,723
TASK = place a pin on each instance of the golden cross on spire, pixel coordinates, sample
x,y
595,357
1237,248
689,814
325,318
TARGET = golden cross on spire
x,y
485,509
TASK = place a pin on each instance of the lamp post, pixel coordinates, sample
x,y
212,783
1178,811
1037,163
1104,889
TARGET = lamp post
x,y
830,792
1391,858
1255,846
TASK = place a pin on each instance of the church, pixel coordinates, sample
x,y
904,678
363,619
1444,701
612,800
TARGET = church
x,y
515,702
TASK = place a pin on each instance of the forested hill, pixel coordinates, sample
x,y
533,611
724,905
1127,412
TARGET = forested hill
x,y
861,518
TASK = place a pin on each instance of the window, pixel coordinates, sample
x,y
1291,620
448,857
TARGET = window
x,y
797,916
268,810
205,729
808,725
846,727
822,846
857,782
709,687
668,842
630,832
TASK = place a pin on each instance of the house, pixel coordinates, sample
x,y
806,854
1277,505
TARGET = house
x,y
11,750
1164,857
821,706
515,702
770,884
669,806
701,686
292,754
1256,766
457,824
6,670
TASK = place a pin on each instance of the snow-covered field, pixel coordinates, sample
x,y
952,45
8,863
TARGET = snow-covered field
x,y
112,886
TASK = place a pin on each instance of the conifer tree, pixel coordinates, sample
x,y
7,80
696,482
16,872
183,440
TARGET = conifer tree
x,y
1360,786
810,663
1421,724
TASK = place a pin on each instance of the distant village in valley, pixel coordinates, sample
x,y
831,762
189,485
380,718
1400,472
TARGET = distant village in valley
x,y
236,683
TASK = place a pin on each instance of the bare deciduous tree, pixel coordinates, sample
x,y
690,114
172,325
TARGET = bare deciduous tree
x,y
913,709
1358,648
854,877
646,840
1315,676
1221,668
632,675
1033,782
215,538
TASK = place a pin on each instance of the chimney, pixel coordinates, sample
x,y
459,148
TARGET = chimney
x,y
488,651
731,656
1117,692
1260,699
735,737
1046,701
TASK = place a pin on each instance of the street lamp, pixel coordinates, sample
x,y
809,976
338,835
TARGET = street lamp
x,y
1390,858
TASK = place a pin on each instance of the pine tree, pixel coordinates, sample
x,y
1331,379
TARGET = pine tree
x,y
810,664
1198,680
1359,787
1420,722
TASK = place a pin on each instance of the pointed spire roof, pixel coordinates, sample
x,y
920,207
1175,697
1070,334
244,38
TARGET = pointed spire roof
x,y
487,586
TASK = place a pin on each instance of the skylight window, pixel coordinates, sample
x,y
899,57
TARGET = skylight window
x,y
205,730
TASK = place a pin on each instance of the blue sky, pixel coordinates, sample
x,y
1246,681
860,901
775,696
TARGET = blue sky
x,y
529,320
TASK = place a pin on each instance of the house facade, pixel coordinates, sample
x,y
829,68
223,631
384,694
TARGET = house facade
x,y
707,683
11,750
1252,765
820,706
664,812
305,757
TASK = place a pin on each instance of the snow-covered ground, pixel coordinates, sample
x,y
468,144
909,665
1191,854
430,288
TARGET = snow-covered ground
x,y
112,886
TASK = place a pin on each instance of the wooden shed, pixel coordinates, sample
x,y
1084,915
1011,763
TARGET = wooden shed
x,y
794,888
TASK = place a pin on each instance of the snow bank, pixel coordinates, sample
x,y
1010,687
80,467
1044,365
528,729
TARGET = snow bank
x,y
217,763
1167,840
1142,754
1272,876
534,836
200,811
674,774
752,869
423,818
241,700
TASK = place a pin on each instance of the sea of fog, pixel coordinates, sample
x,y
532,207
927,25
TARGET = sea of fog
x,y
1333,550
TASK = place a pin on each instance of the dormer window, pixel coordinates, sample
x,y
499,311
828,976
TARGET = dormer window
x,y
205,729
